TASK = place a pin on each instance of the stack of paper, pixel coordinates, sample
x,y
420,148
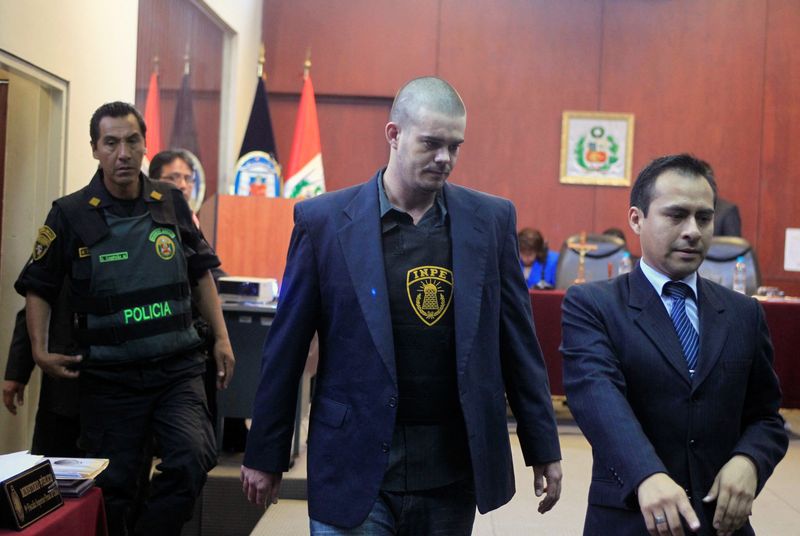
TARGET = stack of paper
x,y
75,476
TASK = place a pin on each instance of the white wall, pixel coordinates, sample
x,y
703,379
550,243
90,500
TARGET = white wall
x,y
91,46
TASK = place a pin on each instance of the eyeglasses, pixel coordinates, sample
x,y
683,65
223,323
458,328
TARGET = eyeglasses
x,y
178,177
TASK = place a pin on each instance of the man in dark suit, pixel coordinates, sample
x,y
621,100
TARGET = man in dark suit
x,y
424,324
727,221
670,375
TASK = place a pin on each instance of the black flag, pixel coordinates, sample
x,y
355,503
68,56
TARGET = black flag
x,y
184,133
258,136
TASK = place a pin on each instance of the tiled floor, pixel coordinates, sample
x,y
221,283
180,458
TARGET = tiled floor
x,y
776,510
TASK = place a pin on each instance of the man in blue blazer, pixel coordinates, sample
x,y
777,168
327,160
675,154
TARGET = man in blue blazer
x,y
670,375
414,288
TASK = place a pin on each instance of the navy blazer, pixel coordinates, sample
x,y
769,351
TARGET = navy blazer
x,y
335,285
628,386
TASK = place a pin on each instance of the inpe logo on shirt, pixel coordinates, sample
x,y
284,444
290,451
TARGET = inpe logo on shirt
x,y
430,290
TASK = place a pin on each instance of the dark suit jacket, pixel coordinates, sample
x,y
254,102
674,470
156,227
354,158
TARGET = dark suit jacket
x,y
628,386
57,395
726,219
335,283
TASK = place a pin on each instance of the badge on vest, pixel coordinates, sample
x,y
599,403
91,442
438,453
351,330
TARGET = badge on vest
x,y
164,240
43,240
430,290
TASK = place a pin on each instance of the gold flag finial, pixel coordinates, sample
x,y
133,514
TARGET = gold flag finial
x,y
155,64
261,60
307,63
186,65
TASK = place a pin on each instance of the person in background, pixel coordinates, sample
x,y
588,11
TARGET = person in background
x,y
670,375
537,261
57,425
727,221
175,166
414,288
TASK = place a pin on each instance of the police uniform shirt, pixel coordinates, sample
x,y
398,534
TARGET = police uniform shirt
x,y
430,455
58,246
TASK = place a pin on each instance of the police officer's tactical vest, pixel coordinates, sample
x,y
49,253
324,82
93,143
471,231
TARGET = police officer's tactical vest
x,y
139,305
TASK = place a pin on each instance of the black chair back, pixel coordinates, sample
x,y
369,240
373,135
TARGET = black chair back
x,y
610,249
721,258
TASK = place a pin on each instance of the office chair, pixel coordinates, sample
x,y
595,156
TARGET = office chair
x,y
721,258
610,249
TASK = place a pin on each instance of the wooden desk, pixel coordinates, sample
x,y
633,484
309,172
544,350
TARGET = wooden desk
x,y
783,319
84,516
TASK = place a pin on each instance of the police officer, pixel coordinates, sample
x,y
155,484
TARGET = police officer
x,y
134,261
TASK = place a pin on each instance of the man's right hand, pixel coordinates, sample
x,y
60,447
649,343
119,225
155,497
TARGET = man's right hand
x,y
57,365
663,503
259,487
12,390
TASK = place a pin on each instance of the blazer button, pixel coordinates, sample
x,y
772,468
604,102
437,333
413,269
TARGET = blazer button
x,y
392,402
385,447
692,443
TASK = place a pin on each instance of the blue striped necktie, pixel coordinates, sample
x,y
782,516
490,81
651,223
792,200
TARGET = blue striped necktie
x,y
690,341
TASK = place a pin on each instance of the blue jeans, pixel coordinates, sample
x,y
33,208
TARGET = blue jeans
x,y
445,511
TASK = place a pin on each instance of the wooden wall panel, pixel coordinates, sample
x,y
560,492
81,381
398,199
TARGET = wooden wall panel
x,y
351,135
779,187
692,73
710,77
358,47
517,66
165,29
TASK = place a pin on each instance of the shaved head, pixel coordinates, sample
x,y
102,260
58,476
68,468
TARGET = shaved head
x,y
427,93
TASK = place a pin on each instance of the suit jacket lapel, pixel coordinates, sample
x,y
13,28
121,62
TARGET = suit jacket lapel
x,y
712,330
653,320
362,247
470,245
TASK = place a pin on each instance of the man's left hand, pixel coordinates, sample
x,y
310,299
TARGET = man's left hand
x,y
734,489
223,355
550,473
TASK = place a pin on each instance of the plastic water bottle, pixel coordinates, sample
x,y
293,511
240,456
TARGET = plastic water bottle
x,y
625,264
740,276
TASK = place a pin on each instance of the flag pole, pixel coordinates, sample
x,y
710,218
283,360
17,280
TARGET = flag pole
x,y
186,67
307,63
262,73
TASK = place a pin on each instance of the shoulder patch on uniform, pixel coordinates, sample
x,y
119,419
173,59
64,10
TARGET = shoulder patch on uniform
x,y
156,195
94,201
83,252
43,240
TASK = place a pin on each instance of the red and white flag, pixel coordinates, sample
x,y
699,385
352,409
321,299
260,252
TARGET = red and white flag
x,y
152,117
304,171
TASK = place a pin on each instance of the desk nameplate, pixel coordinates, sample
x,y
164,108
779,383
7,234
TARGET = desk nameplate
x,y
29,496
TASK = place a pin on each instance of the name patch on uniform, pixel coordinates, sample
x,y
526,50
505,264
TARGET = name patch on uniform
x,y
164,241
146,312
113,257
430,290
43,240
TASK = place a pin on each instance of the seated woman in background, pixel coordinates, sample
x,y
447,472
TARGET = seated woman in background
x,y
538,263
